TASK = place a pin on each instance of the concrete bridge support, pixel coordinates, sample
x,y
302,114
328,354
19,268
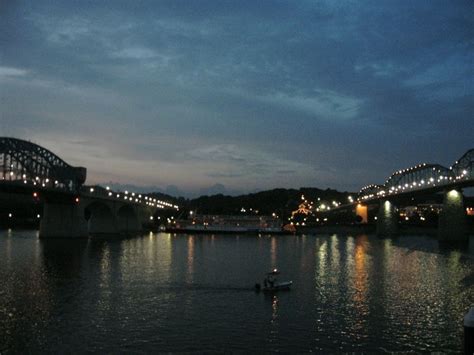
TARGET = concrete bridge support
x,y
452,219
102,220
63,220
387,219
89,217
128,221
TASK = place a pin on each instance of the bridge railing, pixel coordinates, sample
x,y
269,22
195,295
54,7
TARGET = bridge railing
x,y
126,196
421,177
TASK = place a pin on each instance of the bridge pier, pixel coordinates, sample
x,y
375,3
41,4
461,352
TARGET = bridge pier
x,y
128,221
387,220
63,220
452,219
102,220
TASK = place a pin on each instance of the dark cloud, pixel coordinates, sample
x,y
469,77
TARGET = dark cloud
x,y
255,94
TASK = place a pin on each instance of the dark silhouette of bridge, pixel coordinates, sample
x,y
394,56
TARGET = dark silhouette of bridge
x,y
417,183
424,178
71,209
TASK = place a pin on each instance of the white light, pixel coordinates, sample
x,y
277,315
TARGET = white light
x,y
453,193
38,216
92,189
10,215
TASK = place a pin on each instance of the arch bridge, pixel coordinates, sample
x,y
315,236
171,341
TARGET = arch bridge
x,y
25,162
70,209
424,179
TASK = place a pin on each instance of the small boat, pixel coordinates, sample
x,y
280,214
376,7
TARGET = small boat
x,y
271,284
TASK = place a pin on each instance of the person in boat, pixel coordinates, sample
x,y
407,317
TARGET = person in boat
x,y
271,280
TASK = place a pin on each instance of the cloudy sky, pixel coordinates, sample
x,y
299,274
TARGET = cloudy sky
x,y
248,95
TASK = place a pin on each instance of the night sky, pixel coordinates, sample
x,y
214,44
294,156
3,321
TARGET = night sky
x,y
237,96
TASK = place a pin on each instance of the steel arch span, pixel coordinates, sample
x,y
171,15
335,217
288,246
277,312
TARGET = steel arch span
x,y
419,176
464,166
369,191
30,163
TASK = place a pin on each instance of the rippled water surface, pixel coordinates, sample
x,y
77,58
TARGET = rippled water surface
x,y
162,292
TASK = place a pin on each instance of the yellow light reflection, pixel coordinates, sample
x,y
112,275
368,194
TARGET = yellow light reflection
x,y
190,259
360,282
273,251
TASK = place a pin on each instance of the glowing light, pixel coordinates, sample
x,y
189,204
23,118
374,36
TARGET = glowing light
x,y
453,193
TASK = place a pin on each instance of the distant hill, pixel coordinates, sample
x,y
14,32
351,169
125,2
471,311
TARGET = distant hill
x,y
279,201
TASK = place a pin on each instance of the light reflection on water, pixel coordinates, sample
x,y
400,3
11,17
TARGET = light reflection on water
x,y
195,292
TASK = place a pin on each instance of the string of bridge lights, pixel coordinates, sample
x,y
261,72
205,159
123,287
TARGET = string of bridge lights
x,y
137,198
126,195
385,189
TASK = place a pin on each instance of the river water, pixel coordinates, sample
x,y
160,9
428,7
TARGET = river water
x,y
186,293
